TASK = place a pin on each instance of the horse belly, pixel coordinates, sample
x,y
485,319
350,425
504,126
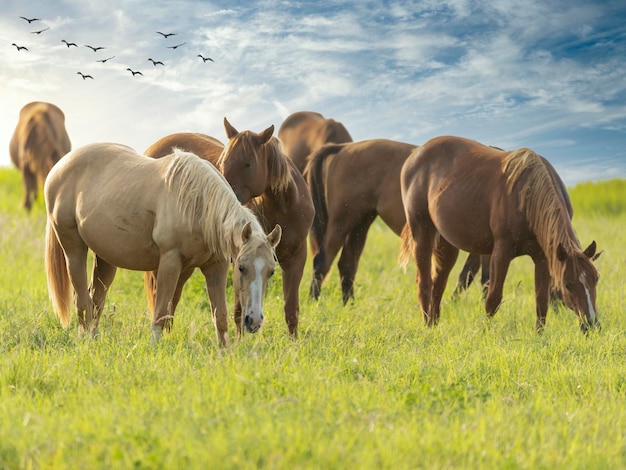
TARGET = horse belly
x,y
124,241
463,223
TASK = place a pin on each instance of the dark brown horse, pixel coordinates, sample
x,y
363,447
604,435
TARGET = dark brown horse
x,y
460,194
38,142
351,184
304,132
270,184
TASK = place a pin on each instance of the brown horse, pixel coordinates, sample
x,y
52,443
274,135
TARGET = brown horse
x,y
460,194
173,214
270,184
475,263
351,184
38,142
304,132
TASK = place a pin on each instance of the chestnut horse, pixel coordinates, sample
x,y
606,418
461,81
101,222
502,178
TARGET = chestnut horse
x,y
270,184
38,142
351,184
173,214
460,194
304,132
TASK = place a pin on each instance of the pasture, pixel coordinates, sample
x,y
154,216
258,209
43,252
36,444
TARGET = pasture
x,y
364,386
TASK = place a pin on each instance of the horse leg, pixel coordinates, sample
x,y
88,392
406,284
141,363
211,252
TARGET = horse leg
x,y
215,276
542,292
167,279
444,256
102,278
350,255
322,261
498,268
485,260
30,188
293,268
76,253
467,274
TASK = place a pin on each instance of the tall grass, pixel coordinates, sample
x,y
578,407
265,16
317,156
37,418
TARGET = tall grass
x,y
365,386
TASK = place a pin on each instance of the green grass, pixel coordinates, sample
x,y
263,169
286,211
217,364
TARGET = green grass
x,y
365,386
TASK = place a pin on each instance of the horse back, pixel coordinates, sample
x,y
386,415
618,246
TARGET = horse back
x,y
206,147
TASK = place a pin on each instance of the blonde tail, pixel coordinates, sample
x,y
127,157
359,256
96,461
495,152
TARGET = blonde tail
x,y
59,286
407,249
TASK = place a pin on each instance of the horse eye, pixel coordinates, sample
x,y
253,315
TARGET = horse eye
x,y
242,269
247,166
570,286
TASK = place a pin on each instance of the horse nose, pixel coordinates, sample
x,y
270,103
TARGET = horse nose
x,y
251,325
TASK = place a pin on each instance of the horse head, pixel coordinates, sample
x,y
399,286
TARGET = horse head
x,y
580,278
254,266
244,163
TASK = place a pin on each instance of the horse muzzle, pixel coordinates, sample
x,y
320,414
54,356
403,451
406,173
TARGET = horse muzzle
x,y
253,323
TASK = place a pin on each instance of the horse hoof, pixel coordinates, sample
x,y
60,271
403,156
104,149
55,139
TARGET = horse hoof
x,y
155,334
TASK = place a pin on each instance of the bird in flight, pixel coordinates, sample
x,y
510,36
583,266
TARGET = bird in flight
x,y
40,31
30,20
20,48
135,72
166,35
68,44
177,45
204,59
155,62
104,60
84,75
95,49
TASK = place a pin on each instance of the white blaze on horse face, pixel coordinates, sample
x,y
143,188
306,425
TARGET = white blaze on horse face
x,y
255,307
592,312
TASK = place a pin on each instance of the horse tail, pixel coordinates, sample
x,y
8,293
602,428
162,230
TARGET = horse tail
x,y
149,284
314,174
59,286
407,248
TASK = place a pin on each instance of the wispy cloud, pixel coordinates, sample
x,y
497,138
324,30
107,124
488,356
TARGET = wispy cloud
x,y
506,72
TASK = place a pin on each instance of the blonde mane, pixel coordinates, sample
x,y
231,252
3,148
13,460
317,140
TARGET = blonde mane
x,y
200,191
279,173
544,207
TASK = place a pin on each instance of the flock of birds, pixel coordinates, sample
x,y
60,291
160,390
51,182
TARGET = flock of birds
x,y
85,76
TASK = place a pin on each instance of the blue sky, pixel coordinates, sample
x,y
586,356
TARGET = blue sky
x,y
509,73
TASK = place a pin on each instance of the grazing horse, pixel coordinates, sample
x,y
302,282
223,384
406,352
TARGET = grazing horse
x,y
351,184
460,194
38,142
304,132
172,215
270,184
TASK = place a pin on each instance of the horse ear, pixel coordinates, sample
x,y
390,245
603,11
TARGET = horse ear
x,y
561,253
246,232
230,130
597,255
590,251
274,237
265,136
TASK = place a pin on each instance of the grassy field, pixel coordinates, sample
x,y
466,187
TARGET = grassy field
x,y
365,386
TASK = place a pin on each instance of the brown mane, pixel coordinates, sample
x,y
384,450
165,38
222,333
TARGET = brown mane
x,y
279,175
545,209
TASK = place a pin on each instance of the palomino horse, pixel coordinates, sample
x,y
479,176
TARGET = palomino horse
x,y
270,184
173,214
459,194
351,184
303,132
38,142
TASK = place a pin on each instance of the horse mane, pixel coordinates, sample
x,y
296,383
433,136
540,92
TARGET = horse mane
x,y
545,208
203,194
279,171
43,145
